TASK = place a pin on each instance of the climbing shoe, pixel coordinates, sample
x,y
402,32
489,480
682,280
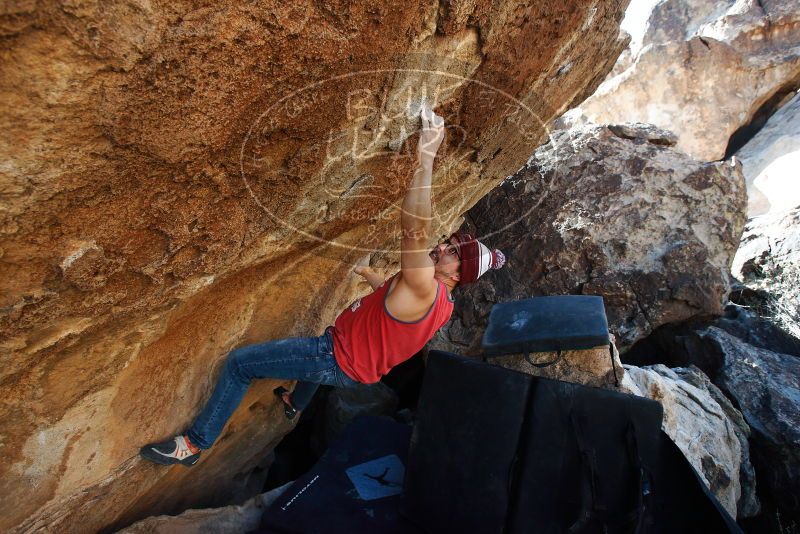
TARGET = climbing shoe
x,y
174,451
288,410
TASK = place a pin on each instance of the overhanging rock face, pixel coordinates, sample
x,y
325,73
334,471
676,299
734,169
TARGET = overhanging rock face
x,y
180,181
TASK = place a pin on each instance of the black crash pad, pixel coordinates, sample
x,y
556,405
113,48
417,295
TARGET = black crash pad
x,y
495,450
584,460
464,445
682,501
354,487
546,324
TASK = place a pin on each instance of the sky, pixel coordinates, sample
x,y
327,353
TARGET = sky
x,y
635,21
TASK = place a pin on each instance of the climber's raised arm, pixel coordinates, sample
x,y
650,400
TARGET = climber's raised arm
x,y
415,221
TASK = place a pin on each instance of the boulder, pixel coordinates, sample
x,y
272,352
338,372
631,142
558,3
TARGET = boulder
x,y
182,179
768,263
757,331
748,505
647,227
704,69
233,519
770,161
681,344
765,386
591,367
706,431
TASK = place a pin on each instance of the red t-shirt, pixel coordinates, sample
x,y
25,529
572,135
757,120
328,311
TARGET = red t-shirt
x,y
368,341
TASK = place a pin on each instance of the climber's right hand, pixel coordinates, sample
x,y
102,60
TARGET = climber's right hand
x,y
430,137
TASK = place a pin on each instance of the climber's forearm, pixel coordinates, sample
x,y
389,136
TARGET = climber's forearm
x,y
415,219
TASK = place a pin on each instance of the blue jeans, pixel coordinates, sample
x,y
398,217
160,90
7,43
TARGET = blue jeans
x,y
307,359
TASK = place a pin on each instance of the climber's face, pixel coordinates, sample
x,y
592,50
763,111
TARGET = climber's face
x,y
446,258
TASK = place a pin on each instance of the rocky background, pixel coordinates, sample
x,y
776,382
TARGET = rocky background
x,y
179,179
615,211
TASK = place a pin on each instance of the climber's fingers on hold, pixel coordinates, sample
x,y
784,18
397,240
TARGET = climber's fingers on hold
x,y
437,121
425,114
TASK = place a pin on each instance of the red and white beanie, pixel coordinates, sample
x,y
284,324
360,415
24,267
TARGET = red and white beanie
x,y
476,258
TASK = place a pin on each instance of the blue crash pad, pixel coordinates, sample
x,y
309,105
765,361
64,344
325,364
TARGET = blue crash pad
x,y
546,324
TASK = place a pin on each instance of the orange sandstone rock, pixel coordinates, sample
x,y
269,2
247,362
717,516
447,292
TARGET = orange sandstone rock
x,y
179,180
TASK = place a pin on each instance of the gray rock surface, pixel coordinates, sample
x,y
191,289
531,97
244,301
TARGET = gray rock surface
x,y
768,261
766,387
701,428
226,520
748,505
647,227
703,70
770,161
757,331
